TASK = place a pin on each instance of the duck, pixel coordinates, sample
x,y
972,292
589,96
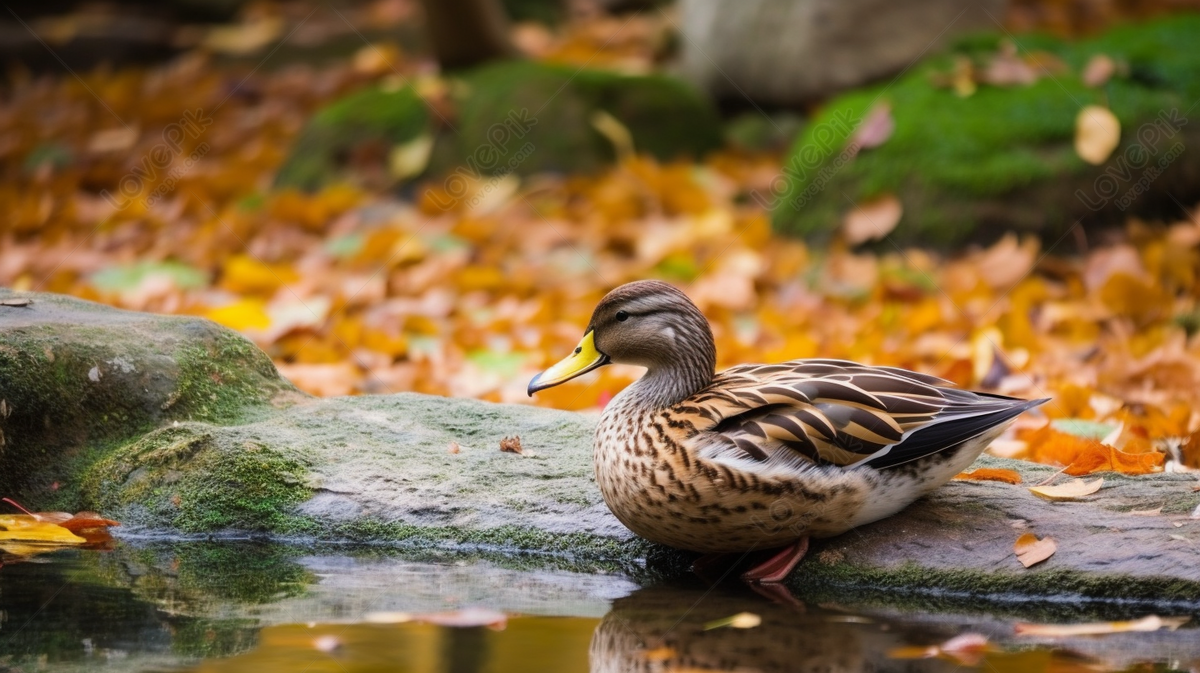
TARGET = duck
x,y
762,457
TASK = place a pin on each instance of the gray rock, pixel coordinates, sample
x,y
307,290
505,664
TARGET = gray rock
x,y
790,52
382,469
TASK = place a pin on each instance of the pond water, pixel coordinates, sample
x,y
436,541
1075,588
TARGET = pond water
x,y
236,606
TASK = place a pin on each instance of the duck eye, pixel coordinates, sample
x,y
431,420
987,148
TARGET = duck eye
x,y
578,350
622,316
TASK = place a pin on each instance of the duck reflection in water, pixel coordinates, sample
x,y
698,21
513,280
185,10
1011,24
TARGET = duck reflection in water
x,y
670,629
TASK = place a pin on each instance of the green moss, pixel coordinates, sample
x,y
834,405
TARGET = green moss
x,y
549,108
78,385
1003,155
374,116
1051,593
180,477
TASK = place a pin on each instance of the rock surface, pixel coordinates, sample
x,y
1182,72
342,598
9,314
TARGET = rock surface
x,y
792,52
1003,158
428,471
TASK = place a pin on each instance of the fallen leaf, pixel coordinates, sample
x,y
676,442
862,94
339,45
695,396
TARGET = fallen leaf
x,y
876,127
991,474
1145,512
742,620
453,448
1145,624
16,302
1099,69
466,618
967,649
615,132
1097,134
872,220
511,445
410,159
1031,551
26,528
1072,490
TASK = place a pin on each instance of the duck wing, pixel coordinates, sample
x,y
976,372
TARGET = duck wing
x,y
839,413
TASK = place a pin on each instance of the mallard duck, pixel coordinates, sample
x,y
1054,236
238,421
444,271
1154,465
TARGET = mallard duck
x,y
760,456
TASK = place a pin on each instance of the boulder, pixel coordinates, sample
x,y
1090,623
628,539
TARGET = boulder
x,y
237,450
509,117
793,52
1003,158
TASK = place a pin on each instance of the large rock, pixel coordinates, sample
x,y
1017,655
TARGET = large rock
x,y
1003,157
509,117
792,52
429,471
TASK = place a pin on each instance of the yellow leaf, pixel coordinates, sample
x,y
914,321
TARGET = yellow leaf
x,y
246,314
1030,550
872,220
1097,134
1072,490
411,158
742,620
1145,624
245,275
26,528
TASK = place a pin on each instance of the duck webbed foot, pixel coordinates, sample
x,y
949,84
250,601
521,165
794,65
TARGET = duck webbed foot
x,y
777,568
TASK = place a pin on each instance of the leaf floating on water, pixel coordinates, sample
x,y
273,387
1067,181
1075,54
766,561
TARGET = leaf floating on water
x,y
1145,624
26,528
466,618
742,620
966,649
1072,490
1097,134
990,474
1031,551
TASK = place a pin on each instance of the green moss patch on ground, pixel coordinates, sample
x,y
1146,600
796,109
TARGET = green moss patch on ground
x,y
1005,155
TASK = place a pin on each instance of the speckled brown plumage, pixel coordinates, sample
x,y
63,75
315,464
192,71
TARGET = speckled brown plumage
x,y
760,456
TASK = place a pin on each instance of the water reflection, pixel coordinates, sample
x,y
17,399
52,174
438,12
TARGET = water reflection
x,y
219,606
665,629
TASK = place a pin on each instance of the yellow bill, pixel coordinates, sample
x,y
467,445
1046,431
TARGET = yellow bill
x,y
583,360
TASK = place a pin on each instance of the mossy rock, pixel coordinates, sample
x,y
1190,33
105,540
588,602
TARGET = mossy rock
x,y
1003,158
555,107
371,121
218,443
510,117
78,379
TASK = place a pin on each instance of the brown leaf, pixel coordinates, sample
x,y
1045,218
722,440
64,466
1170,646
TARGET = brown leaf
x,y
1031,551
872,220
1097,134
511,444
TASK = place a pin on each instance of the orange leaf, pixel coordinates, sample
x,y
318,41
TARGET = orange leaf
x,y
1030,550
1100,458
991,474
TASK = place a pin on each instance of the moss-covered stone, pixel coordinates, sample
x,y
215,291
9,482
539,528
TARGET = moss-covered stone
x,y
238,458
510,117
78,379
1004,156
371,122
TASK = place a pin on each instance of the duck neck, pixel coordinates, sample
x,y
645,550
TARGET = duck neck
x,y
673,380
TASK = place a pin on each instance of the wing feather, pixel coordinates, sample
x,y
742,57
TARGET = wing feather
x,y
840,413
